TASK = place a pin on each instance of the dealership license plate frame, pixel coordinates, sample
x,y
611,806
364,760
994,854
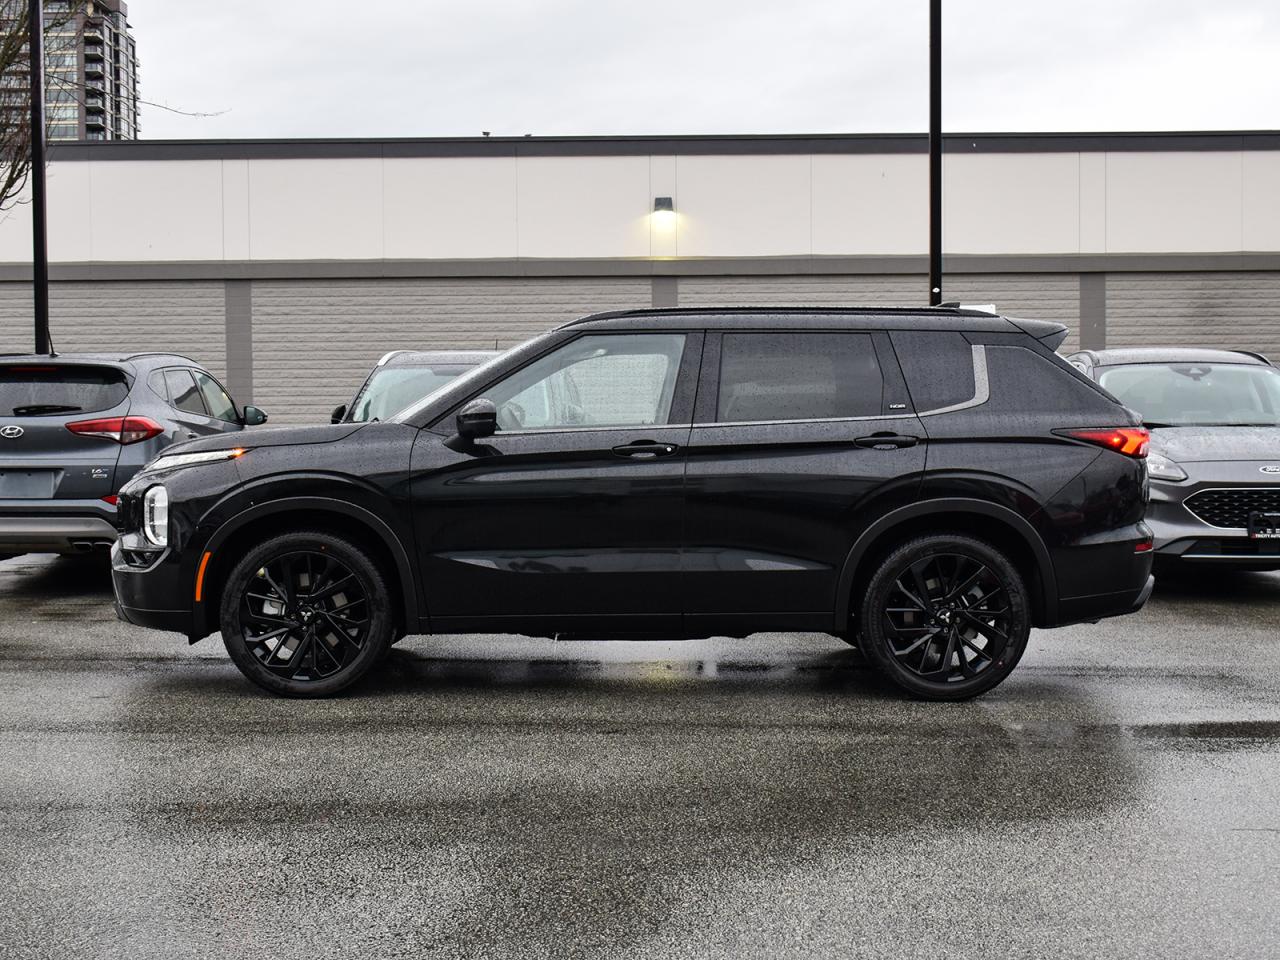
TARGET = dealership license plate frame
x,y
1264,526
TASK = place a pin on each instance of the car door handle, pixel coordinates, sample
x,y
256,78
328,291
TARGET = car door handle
x,y
887,441
645,449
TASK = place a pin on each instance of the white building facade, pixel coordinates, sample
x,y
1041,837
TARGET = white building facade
x,y
290,266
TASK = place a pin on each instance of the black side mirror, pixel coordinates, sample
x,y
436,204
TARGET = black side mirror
x,y
253,416
477,419
339,412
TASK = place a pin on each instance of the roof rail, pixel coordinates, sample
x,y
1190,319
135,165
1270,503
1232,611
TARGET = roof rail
x,y
948,309
159,353
1256,356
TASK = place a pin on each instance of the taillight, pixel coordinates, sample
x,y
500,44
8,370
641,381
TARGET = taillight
x,y
1131,441
123,430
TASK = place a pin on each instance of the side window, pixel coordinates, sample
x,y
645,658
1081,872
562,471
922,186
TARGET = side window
x,y
938,365
215,398
601,380
798,376
183,393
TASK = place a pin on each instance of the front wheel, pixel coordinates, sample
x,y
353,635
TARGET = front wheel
x,y
946,617
306,614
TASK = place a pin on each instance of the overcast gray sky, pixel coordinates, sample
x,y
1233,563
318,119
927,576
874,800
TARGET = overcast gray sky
x,y
373,68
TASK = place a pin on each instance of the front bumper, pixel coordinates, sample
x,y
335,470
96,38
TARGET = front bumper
x,y
56,526
148,596
1182,536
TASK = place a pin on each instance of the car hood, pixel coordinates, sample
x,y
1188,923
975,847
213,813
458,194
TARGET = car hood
x,y
270,437
1205,444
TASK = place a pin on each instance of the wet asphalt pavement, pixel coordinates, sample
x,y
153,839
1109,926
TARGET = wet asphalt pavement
x,y
1119,796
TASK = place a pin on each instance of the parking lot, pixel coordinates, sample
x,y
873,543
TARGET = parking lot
x,y
498,797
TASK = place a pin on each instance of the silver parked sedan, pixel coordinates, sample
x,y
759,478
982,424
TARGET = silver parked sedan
x,y
1214,463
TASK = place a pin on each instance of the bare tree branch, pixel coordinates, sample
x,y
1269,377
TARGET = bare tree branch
x,y
15,89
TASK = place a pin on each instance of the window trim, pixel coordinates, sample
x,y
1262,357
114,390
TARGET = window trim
x,y
981,386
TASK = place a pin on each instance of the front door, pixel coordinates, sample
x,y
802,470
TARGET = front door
x,y
568,519
800,437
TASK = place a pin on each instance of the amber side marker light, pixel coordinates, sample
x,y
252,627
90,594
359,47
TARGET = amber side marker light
x,y
204,563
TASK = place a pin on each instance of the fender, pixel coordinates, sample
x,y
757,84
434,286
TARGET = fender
x,y
375,523
984,508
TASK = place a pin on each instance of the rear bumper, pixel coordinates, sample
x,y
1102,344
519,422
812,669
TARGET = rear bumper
x,y
47,526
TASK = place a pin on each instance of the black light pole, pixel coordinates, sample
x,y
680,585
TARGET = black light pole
x,y
39,235
935,152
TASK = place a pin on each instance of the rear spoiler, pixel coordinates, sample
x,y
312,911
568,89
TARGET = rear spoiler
x,y
1048,332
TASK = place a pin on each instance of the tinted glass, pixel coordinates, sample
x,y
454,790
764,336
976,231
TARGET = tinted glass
x,y
1197,394
595,381
938,366
392,389
798,376
35,391
183,393
215,398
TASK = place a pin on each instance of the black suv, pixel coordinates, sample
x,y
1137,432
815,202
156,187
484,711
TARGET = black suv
x,y
75,427
926,483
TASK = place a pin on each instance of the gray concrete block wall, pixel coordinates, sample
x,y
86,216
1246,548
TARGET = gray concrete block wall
x,y
314,341
186,317
300,347
1238,310
817,290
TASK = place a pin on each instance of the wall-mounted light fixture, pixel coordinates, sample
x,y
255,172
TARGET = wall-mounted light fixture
x,y
663,205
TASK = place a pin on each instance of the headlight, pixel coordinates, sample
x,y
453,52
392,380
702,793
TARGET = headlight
x,y
187,459
155,515
1162,468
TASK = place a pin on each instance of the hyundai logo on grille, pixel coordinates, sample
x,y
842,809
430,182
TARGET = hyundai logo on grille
x,y
1270,469
11,431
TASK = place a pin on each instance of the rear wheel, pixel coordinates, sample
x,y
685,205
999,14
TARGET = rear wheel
x,y
306,614
946,617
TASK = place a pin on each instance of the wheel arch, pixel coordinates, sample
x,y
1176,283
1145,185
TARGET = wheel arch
x,y
323,513
988,521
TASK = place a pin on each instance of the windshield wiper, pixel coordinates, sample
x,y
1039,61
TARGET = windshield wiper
x,y
39,409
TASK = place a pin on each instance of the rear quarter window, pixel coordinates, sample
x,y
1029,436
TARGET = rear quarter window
x,y
938,366
39,391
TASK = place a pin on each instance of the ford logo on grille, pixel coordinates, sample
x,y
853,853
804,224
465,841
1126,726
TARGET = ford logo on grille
x,y
1266,469
11,431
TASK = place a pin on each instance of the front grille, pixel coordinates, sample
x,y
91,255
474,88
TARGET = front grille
x,y
1230,508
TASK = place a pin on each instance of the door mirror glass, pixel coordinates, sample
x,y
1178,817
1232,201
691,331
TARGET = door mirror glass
x,y
477,419
339,412
253,416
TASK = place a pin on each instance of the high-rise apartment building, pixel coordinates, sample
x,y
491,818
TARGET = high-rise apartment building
x,y
92,71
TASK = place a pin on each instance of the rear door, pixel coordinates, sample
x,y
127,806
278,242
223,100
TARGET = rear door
x,y
800,439
40,457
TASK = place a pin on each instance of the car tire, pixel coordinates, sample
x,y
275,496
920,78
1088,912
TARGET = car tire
x,y
945,617
306,614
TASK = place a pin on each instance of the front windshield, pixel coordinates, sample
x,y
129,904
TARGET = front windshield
x,y
420,402
1198,394
392,389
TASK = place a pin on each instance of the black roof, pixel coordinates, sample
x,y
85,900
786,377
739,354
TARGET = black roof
x,y
1119,355
93,357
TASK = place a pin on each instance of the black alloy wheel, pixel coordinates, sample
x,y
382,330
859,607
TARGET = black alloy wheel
x,y
946,617
305,614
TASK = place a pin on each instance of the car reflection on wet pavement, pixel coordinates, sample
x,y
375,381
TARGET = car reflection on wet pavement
x,y
1119,795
